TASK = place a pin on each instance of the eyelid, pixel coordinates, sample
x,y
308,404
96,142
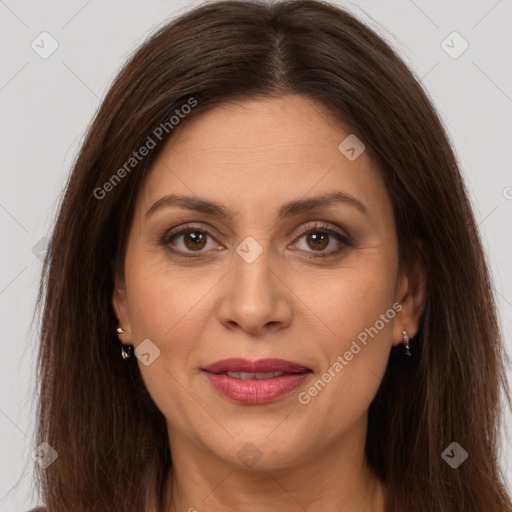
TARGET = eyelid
x,y
324,226
183,228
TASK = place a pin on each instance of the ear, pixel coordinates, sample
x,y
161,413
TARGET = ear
x,y
120,306
412,295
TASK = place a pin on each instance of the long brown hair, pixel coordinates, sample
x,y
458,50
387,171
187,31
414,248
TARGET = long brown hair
x,y
111,440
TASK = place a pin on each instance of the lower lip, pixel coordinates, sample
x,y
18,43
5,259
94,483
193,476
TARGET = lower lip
x,y
256,391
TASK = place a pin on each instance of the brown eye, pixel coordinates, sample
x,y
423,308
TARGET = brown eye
x,y
187,241
194,240
322,240
317,240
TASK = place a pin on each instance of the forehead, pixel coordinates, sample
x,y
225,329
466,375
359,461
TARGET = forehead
x,y
262,151
290,125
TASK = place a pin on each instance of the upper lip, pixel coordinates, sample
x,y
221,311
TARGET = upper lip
x,y
237,364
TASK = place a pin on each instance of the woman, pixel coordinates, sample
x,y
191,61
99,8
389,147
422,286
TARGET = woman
x,y
265,289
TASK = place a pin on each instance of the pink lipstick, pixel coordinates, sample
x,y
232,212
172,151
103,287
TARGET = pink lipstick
x,y
256,382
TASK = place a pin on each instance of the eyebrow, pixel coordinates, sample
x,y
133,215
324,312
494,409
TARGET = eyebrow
x,y
288,209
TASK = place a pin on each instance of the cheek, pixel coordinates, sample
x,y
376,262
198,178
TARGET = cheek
x,y
166,305
161,298
354,298
358,310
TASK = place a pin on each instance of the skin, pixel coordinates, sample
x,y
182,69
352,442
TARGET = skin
x,y
252,157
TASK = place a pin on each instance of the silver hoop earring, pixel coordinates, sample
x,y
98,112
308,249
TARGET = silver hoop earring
x,y
406,343
126,352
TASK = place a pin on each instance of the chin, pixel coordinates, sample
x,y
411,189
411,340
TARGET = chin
x,y
258,452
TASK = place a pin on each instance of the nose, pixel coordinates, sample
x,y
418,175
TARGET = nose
x,y
255,297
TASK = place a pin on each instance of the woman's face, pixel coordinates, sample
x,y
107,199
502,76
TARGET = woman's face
x,y
269,272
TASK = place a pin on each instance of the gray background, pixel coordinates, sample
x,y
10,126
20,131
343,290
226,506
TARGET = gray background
x,y
46,105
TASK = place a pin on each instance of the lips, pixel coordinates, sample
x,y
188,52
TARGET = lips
x,y
251,376
256,382
260,366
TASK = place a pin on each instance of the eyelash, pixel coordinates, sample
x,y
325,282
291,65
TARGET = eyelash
x,y
316,227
